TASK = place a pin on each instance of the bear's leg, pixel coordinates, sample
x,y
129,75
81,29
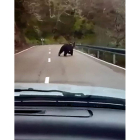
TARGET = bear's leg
x,y
71,52
65,53
61,50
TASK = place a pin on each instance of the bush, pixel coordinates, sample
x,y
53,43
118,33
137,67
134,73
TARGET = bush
x,y
33,41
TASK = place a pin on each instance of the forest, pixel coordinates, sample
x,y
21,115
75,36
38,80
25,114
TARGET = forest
x,y
92,22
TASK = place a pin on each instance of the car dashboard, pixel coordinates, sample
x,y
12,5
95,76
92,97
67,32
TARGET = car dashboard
x,y
69,123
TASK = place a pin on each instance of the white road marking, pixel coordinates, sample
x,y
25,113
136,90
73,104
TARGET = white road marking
x,y
49,52
100,59
47,79
49,59
25,50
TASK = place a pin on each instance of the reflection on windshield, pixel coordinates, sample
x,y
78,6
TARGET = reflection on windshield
x,y
70,42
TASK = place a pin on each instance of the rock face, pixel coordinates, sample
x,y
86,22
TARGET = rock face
x,y
19,40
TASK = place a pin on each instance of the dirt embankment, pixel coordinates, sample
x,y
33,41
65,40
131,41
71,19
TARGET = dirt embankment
x,y
20,42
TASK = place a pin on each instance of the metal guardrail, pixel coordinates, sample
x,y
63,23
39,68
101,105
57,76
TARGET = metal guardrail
x,y
99,49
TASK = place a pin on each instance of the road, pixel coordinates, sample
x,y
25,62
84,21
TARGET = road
x,y
41,64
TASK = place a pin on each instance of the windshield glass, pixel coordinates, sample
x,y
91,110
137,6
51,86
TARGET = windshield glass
x,y
76,46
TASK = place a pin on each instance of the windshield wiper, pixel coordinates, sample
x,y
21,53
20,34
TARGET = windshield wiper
x,y
67,96
67,99
71,94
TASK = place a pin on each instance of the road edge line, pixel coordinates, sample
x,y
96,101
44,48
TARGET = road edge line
x,y
100,59
25,50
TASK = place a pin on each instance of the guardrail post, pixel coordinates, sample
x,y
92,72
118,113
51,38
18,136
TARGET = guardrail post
x,y
98,54
114,59
82,49
88,51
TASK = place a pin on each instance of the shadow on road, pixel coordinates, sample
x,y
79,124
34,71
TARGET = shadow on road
x,y
65,56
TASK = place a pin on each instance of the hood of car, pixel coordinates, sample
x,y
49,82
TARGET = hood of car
x,y
86,90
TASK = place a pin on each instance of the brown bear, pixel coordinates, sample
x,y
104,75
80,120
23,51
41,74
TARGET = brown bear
x,y
67,49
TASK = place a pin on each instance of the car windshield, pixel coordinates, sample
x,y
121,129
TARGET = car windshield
x,y
75,46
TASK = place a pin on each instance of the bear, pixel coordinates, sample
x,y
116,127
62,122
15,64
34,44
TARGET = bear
x,y
67,49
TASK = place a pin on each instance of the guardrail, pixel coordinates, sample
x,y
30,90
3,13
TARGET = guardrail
x,y
112,55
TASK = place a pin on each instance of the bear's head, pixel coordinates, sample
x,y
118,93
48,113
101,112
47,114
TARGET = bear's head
x,y
72,44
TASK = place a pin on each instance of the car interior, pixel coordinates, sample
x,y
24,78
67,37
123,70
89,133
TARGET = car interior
x,y
49,120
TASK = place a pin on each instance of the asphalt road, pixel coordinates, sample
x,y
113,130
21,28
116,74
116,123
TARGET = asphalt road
x,y
41,64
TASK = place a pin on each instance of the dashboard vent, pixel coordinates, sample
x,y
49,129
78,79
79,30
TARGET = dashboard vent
x,y
54,112
27,111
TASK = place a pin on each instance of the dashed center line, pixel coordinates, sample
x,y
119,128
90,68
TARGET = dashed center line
x,y
49,59
47,79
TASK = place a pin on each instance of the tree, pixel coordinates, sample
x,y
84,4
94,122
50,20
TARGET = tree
x,y
71,19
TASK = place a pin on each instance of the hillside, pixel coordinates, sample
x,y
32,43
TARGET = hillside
x,y
96,22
